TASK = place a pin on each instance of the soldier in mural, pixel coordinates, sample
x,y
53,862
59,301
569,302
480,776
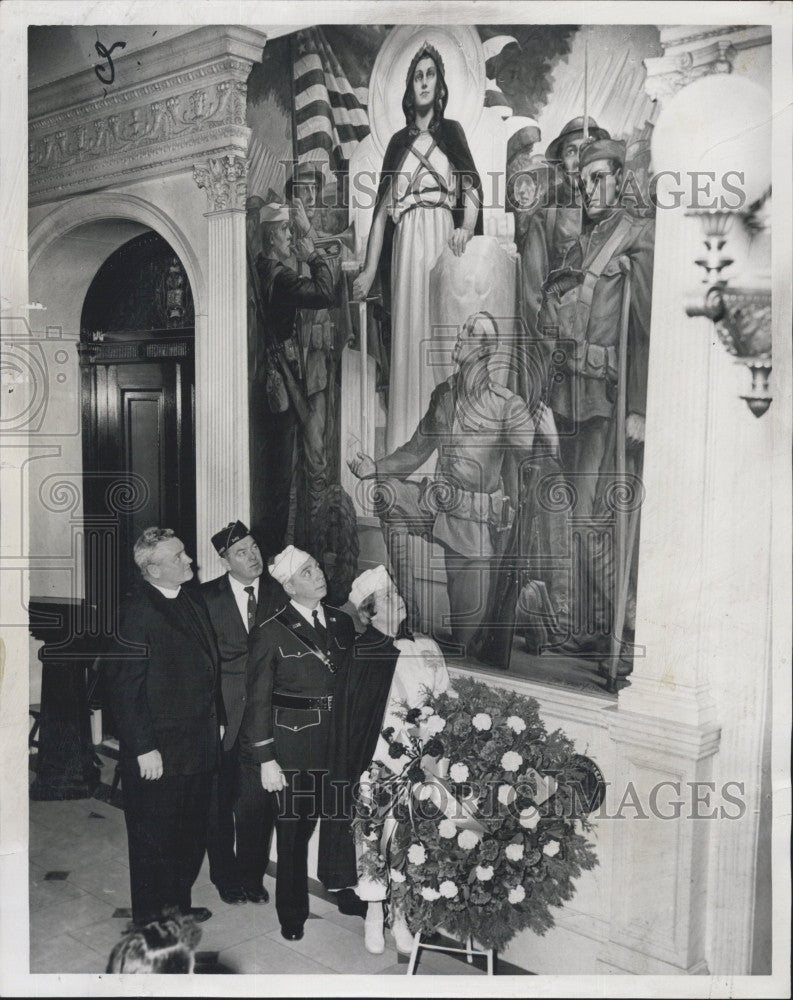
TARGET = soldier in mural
x,y
473,423
555,224
321,335
279,397
604,335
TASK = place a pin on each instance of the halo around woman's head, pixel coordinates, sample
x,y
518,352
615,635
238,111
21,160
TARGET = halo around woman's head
x,y
461,52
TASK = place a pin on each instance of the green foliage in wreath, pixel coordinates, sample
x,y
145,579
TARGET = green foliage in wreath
x,y
476,817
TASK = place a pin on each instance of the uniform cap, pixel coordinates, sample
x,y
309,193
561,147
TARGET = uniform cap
x,y
274,212
369,582
234,531
601,149
287,563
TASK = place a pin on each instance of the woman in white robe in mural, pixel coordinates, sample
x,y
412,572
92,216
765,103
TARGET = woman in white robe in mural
x,y
429,196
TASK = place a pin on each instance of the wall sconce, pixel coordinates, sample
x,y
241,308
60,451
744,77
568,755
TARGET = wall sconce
x,y
742,316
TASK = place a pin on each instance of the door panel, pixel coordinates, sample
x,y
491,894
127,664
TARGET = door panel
x,y
138,449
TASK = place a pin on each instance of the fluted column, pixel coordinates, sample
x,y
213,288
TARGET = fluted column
x,y
223,479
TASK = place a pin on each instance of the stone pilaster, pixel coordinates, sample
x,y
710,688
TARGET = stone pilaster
x,y
222,463
683,889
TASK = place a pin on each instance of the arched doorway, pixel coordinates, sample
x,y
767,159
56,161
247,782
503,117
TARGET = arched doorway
x,y
138,412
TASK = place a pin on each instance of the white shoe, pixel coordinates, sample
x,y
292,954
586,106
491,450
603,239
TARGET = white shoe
x,y
373,936
402,936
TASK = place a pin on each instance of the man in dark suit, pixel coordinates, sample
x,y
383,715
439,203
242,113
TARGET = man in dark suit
x,y
165,698
293,665
237,601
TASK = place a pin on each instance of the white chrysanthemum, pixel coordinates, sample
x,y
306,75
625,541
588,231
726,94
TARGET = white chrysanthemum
x,y
427,711
430,894
551,849
448,889
529,818
482,721
435,724
447,829
397,875
517,895
459,772
484,872
467,839
511,761
514,852
516,724
506,794
416,854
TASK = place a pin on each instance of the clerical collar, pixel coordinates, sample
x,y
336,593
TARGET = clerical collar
x,y
167,591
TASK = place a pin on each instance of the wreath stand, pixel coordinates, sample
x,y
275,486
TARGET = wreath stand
x,y
469,951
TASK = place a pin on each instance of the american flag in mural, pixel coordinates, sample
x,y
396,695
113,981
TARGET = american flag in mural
x,y
330,114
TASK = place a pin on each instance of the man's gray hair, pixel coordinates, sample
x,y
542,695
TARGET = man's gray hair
x,y
146,546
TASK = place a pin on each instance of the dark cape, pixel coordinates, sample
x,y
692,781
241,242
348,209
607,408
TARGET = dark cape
x,y
358,709
451,140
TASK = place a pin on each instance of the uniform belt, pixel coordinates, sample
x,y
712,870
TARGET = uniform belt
x,y
296,701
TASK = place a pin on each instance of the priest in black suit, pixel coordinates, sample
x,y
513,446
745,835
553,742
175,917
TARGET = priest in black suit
x,y
238,601
165,698
294,664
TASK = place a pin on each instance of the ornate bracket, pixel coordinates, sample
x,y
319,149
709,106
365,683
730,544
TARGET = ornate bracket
x,y
224,179
742,318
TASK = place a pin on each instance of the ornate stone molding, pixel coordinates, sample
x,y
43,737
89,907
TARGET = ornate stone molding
x,y
691,53
669,73
224,179
155,124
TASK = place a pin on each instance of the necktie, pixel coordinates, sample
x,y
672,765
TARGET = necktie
x,y
320,629
251,608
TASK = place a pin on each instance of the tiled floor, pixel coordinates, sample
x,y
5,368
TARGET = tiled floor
x,y
73,927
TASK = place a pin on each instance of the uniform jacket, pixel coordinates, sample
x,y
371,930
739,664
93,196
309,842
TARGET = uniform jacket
x,y
544,236
283,292
166,696
279,661
588,388
472,438
232,641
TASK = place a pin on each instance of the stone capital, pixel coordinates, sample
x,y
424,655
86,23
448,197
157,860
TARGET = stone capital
x,y
224,180
692,52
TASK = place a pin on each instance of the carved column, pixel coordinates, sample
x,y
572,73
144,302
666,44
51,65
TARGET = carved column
x,y
223,481
683,890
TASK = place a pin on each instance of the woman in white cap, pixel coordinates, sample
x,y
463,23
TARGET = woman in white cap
x,y
390,667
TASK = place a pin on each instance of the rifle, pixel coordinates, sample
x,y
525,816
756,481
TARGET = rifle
x,y
626,533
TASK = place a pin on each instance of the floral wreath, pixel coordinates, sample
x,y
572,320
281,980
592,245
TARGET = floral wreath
x,y
475,816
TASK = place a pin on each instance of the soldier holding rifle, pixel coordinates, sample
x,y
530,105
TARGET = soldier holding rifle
x,y
597,307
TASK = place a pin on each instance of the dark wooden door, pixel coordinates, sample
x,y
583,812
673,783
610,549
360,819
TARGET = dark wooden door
x,y
138,452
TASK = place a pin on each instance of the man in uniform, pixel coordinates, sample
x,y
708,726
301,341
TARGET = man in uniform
x,y
165,698
278,392
582,310
294,661
320,334
237,601
473,423
548,233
